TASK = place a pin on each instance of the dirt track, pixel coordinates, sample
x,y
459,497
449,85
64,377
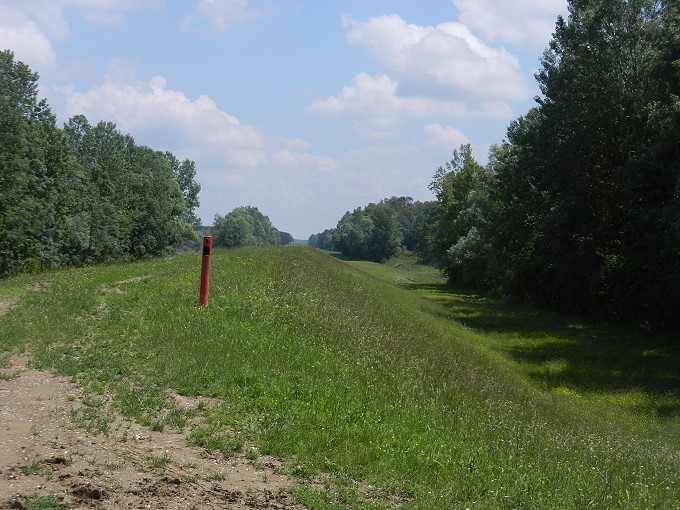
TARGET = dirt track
x,y
41,453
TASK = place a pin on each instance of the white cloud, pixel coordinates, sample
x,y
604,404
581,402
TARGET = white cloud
x,y
25,38
29,27
140,107
296,160
446,137
376,99
527,23
152,110
218,15
449,55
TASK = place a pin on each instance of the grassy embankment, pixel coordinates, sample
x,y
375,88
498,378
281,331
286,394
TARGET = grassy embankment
x,y
351,375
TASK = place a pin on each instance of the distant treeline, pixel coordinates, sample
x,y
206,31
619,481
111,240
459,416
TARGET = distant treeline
x,y
378,231
83,193
579,208
246,226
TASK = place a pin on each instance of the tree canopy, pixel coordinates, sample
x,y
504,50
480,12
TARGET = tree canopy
x,y
83,193
579,208
245,226
376,232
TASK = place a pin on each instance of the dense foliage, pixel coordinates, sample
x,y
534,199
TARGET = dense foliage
x,y
580,207
85,193
246,226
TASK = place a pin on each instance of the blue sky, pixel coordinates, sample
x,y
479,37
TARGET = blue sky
x,y
302,108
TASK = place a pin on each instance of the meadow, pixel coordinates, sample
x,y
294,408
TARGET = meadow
x,y
380,386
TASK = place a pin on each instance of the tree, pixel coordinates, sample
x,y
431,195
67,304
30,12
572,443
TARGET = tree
x,y
322,240
368,234
468,260
408,213
352,234
35,172
285,238
156,204
185,173
135,206
386,237
587,182
453,185
244,226
82,194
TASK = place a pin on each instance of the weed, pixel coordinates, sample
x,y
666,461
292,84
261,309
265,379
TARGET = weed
x,y
10,376
38,502
91,419
34,467
252,454
159,461
213,439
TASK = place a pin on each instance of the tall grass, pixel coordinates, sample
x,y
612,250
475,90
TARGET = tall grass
x,y
348,375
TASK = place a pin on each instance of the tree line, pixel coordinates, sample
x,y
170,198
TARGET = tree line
x,y
377,232
578,208
246,226
84,193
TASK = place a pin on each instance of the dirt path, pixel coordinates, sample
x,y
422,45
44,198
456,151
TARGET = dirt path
x,y
42,454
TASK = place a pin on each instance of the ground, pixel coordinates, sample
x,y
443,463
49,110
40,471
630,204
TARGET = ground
x,y
45,460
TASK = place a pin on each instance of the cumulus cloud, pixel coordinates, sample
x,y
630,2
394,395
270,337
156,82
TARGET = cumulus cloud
x,y
444,136
26,39
218,15
376,96
141,107
527,23
448,54
29,27
152,109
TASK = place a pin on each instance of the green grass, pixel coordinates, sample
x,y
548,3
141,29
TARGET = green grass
x,y
39,502
34,467
634,370
159,461
407,394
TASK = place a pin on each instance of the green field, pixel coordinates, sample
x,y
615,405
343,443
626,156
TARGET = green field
x,y
387,388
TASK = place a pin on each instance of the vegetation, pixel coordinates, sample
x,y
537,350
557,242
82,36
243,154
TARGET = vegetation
x,y
588,182
378,231
578,209
246,226
85,193
408,394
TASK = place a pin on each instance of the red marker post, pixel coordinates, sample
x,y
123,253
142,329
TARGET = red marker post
x,y
205,271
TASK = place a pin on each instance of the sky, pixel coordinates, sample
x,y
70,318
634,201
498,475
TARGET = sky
x,y
304,109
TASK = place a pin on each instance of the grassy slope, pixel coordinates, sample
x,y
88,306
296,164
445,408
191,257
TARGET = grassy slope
x,y
351,375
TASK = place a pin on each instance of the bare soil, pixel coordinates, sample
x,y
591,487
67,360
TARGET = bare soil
x,y
43,454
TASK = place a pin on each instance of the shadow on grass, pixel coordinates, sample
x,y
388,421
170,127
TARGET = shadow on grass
x,y
341,256
558,350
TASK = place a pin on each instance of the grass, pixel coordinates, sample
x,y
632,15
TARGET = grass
x,y
34,467
399,392
635,370
159,461
38,502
